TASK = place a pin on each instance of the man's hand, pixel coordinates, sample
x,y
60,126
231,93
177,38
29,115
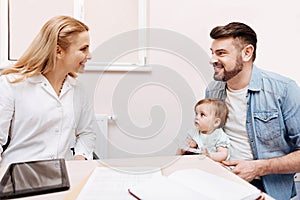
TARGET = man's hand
x,y
247,170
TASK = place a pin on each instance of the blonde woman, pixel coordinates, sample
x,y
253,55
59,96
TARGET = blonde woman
x,y
44,113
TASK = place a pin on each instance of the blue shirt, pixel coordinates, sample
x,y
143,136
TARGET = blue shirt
x,y
272,123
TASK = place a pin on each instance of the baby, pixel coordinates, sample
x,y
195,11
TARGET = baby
x,y
208,135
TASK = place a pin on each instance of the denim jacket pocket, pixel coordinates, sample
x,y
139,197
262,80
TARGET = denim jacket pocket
x,y
267,125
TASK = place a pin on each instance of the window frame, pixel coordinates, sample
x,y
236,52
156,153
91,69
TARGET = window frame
x,y
78,13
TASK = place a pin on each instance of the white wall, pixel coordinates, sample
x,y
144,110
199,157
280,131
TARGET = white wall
x,y
277,26
154,107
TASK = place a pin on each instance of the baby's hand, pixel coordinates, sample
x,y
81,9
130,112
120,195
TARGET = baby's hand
x,y
193,144
205,151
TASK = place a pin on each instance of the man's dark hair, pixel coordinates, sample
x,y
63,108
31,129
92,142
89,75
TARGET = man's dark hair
x,y
236,30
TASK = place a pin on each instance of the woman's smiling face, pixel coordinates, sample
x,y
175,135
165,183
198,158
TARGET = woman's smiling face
x,y
78,53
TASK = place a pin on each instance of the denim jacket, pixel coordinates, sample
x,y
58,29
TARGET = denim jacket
x,y
272,123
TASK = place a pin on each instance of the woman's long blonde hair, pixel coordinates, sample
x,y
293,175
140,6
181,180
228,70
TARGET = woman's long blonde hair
x,y
40,57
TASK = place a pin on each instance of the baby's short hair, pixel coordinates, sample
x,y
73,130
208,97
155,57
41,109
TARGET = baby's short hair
x,y
220,108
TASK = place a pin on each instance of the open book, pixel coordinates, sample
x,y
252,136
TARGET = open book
x,y
193,184
112,183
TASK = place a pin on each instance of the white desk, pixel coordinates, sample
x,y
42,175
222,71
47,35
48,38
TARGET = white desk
x,y
79,171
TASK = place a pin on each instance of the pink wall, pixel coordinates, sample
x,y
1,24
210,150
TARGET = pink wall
x,y
277,28
154,107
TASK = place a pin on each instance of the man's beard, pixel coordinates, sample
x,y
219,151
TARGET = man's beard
x,y
227,75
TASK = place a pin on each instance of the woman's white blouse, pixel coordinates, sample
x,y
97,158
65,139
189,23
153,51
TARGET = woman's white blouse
x,y
41,124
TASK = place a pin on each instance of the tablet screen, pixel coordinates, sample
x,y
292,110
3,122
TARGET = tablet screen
x,y
36,177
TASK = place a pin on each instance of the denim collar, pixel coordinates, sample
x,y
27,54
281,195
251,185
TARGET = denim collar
x,y
255,80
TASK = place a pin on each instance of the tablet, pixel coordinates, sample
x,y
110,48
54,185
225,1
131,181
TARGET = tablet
x,y
33,178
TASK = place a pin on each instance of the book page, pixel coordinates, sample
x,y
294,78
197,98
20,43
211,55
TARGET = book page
x,y
163,188
194,184
108,183
214,186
